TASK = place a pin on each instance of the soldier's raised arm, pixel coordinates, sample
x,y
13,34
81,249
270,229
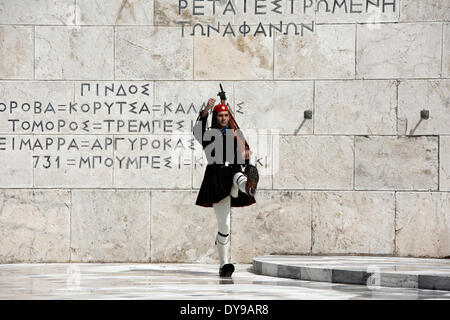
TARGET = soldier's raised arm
x,y
200,124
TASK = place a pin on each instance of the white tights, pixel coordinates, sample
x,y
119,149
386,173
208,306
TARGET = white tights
x,y
222,210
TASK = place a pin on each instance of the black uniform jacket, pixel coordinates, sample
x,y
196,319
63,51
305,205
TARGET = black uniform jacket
x,y
218,179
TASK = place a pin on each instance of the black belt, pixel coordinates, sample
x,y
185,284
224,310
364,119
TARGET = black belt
x,y
221,165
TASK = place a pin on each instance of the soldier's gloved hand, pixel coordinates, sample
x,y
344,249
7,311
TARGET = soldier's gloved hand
x,y
210,103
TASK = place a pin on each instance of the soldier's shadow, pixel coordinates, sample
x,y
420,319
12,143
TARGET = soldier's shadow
x,y
226,281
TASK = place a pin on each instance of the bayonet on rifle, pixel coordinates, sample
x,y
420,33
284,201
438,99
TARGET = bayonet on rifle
x,y
222,95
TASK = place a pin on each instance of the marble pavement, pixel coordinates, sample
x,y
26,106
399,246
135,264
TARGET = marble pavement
x,y
177,281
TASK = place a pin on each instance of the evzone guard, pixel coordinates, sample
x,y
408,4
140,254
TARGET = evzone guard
x,y
224,184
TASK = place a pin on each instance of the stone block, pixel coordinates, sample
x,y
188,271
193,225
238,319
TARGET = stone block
x,y
110,226
355,107
417,95
233,58
326,53
16,52
315,274
276,105
399,50
396,163
34,226
61,12
422,224
349,222
74,53
153,53
324,162
180,230
444,163
278,223
446,51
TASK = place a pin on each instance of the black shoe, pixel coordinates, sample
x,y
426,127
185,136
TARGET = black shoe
x,y
226,270
252,179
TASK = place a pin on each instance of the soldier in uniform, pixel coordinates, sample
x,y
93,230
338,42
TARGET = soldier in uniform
x,y
224,184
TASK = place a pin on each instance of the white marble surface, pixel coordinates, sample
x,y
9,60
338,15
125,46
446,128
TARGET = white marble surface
x,y
417,95
444,163
114,12
148,53
380,163
277,105
61,12
446,51
233,58
356,107
419,10
400,57
278,222
181,231
312,161
64,53
328,53
17,58
423,224
176,281
335,216
110,225
34,225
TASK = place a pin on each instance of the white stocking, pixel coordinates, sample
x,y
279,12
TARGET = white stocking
x,y
239,181
222,210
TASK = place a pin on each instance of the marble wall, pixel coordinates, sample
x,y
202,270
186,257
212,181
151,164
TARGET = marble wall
x,y
366,175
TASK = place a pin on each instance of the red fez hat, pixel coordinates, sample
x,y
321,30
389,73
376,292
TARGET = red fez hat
x,y
220,108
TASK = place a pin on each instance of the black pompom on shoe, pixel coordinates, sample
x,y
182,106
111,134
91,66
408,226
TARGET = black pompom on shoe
x,y
226,270
252,179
